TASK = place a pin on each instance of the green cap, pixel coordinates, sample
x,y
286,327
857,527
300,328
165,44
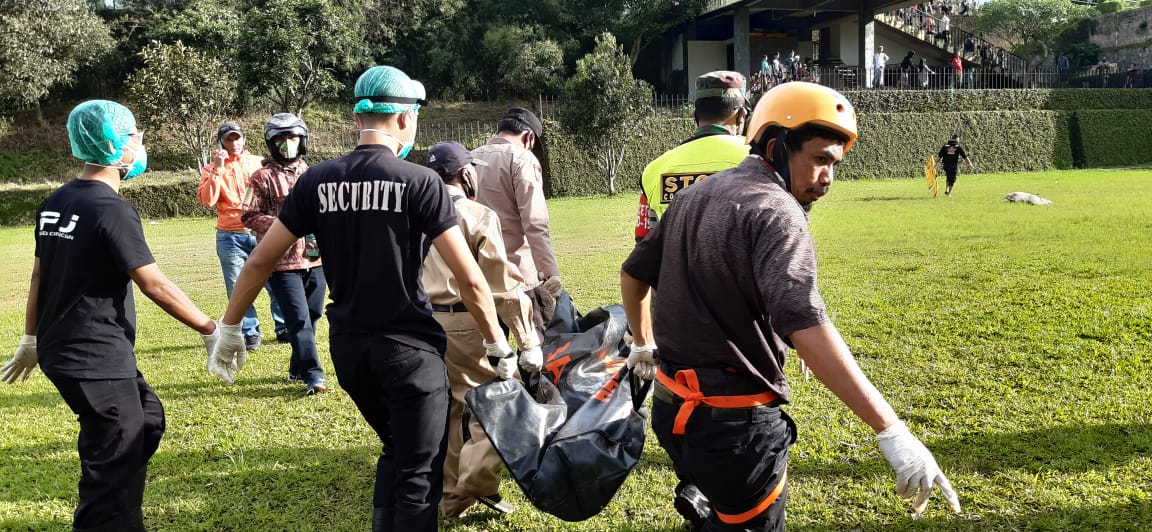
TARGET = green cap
x,y
721,84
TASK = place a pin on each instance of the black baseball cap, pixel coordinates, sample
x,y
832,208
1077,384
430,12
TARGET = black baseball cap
x,y
447,158
528,118
228,128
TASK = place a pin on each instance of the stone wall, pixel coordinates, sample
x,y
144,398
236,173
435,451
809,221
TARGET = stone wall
x,y
1125,37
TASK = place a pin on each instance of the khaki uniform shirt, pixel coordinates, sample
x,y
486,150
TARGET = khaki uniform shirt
x,y
512,185
481,229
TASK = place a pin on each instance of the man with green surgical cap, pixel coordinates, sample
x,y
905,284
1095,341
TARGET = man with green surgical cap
x,y
80,323
375,216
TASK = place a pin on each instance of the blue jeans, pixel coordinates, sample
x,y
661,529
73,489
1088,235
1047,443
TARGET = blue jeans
x,y
301,297
233,249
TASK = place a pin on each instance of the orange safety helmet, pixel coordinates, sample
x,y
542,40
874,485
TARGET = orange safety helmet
x,y
791,105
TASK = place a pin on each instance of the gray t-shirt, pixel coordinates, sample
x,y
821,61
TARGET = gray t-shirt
x,y
734,271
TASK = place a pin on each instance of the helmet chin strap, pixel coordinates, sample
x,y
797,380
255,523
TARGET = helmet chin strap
x,y
780,159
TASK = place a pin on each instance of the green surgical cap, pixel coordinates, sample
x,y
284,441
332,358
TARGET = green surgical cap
x,y
385,82
98,130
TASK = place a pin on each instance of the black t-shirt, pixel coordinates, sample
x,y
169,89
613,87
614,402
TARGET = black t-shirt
x,y
951,153
374,217
734,271
88,239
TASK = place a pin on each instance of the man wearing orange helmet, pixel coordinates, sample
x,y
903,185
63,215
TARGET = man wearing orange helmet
x,y
724,329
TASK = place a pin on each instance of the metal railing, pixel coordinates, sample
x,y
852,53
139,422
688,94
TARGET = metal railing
x,y
973,48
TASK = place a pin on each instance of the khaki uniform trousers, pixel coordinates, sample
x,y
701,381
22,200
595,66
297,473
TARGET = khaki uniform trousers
x,y
472,467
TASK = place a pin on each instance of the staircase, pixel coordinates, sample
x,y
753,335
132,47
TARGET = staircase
x,y
979,52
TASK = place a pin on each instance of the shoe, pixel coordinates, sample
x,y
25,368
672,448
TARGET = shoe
x,y
295,378
315,388
496,503
253,342
282,337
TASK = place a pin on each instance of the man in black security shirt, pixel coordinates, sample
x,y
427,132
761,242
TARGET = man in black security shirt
x,y
81,317
950,154
374,217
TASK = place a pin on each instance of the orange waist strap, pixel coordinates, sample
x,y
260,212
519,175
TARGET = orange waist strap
x,y
687,386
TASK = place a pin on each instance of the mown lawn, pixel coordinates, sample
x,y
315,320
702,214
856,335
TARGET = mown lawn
x,y
1015,340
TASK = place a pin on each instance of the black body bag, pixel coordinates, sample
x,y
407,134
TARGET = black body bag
x,y
574,431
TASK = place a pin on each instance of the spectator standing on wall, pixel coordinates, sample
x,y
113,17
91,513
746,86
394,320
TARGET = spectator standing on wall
x,y
906,69
879,62
222,186
957,71
925,72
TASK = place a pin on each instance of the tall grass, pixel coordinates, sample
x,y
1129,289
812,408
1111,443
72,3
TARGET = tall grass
x,y
1015,340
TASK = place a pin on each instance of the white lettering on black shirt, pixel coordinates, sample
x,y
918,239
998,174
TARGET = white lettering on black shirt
x,y
376,195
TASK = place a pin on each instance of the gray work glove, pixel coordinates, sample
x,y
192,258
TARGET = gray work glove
x,y
228,350
502,358
642,360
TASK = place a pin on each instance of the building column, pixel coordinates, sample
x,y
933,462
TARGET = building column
x,y
866,33
741,45
689,34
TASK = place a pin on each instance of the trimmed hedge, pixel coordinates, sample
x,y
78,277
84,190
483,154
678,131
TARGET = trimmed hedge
x,y
869,102
574,172
153,200
896,145
1114,137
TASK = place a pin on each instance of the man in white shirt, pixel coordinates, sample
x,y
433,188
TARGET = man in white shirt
x,y
879,61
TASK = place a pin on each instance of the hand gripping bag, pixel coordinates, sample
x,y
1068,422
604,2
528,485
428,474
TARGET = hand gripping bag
x,y
573,433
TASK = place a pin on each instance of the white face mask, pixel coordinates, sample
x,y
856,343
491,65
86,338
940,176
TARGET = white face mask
x,y
405,146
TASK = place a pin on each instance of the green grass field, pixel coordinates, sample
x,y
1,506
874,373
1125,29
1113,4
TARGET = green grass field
x,y
1015,340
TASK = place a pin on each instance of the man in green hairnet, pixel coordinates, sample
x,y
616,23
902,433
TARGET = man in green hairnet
x,y
80,323
375,216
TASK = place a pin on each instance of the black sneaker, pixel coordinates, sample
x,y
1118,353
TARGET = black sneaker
x,y
252,342
282,337
496,503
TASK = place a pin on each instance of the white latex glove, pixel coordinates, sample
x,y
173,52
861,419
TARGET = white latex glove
x,y
501,357
916,469
23,363
222,362
210,340
553,286
532,359
642,360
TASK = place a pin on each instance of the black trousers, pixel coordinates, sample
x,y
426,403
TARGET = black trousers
x,y
121,424
735,457
403,393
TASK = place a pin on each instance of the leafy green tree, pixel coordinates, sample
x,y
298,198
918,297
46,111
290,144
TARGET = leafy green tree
x,y
202,24
291,51
637,22
43,44
604,106
1028,27
534,68
187,102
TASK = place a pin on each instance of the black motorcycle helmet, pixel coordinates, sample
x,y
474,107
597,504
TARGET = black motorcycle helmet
x,y
280,124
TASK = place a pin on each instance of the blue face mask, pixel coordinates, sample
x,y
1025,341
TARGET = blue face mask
x,y
139,163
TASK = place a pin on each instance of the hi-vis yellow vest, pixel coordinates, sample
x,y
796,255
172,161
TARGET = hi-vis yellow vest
x,y
688,163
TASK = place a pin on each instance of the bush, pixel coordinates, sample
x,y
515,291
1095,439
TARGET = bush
x,y
165,197
867,102
1114,137
896,145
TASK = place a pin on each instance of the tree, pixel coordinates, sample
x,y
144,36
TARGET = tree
x,y
43,44
534,68
604,106
637,22
291,50
1028,27
190,102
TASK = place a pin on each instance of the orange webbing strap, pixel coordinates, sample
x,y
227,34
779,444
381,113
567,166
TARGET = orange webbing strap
x,y
687,387
744,517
